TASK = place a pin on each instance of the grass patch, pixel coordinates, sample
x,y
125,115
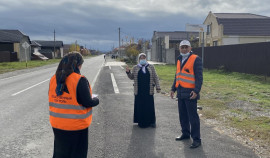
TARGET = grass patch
x,y
213,108
256,128
238,86
166,74
224,95
12,66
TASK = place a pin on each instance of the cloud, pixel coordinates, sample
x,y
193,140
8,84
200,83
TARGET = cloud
x,y
91,21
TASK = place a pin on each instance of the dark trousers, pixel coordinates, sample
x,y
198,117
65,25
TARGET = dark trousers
x,y
70,144
189,118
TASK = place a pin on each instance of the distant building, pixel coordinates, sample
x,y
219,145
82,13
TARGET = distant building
x,y
235,28
11,45
47,48
66,48
164,44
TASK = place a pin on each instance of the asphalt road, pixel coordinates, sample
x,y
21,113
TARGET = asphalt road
x,y
25,130
113,134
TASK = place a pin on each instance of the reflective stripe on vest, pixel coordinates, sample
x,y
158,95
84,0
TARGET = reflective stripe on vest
x,y
65,112
71,116
185,80
185,76
65,106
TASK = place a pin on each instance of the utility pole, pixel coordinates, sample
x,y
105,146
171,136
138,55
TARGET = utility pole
x,y
202,44
54,43
76,45
119,42
203,49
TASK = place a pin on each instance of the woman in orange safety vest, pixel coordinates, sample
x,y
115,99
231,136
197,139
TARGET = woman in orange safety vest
x,y
70,107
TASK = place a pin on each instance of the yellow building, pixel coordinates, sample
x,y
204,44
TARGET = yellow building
x,y
235,28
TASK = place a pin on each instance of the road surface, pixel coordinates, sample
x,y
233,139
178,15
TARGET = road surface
x,y
25,131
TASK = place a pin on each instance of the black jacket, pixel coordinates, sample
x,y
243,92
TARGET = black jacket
x,y
83,94
184,93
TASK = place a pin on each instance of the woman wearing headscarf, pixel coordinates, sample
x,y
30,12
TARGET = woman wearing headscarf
x,y
145,79
70,107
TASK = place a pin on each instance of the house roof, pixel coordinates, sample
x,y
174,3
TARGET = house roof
x,y
239,16
244,24
176,35
34,43
48,43
13,36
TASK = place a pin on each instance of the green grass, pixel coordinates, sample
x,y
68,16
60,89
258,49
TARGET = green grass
x,y
238,86
222,88
166,75
12,66
253,128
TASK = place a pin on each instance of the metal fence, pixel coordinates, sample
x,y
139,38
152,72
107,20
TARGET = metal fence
x,y
252,58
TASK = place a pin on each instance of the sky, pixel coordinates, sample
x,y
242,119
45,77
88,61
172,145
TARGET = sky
x,y
95,23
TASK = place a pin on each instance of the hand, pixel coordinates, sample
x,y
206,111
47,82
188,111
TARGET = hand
x,y
193,95
172,94
94,96
127,69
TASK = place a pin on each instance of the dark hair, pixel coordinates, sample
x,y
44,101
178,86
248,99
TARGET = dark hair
x,y
67,65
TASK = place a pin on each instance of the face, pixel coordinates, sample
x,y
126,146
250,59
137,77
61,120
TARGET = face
x,y
185,49
80,67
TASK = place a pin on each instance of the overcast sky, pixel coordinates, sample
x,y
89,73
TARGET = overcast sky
x,y
95,23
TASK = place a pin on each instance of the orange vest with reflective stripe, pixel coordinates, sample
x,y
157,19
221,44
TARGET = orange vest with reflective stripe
x,y
185,76
65,112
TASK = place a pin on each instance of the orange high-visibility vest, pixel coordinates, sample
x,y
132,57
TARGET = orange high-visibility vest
x,y
65,112
185,76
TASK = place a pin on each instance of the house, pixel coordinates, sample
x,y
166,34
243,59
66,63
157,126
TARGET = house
x,y
12,44
235,28
47,48
66,48
164,44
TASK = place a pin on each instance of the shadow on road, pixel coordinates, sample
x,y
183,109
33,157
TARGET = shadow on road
x,y
142,140
198,152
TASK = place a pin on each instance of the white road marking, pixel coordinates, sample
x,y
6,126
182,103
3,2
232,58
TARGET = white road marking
x,y
94,81
116,90
30,87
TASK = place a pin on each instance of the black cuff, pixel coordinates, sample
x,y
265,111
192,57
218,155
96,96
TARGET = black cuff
x,y
196,91
95,101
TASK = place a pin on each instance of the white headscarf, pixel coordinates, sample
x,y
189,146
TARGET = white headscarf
x,y
142,66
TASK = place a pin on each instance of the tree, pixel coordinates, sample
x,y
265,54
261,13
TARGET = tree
x,y
73,48
85,52
132,52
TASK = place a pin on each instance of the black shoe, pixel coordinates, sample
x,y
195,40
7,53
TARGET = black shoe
x,y
195,144
182,137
